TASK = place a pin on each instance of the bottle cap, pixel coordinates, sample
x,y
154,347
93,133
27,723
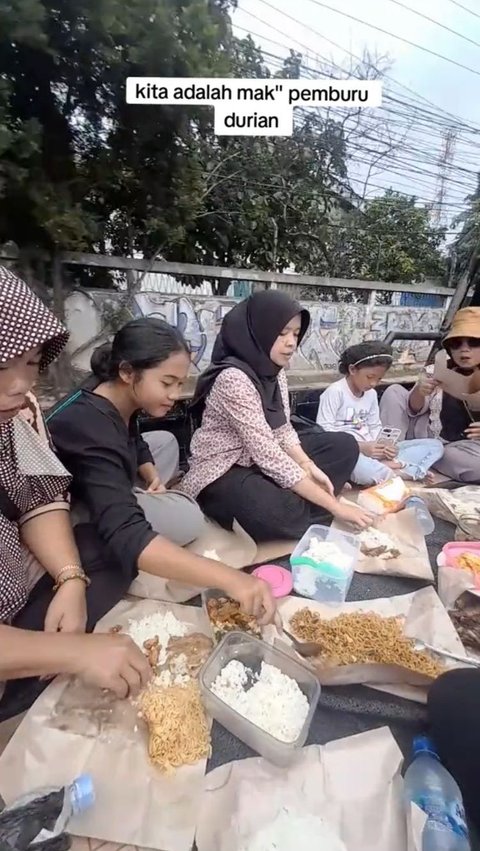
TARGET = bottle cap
x,y
83,796
422,744
279,579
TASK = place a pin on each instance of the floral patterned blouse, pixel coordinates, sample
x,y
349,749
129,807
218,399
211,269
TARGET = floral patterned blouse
x,y
234,431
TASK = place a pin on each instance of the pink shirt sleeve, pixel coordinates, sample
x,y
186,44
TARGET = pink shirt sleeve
x,y
240,402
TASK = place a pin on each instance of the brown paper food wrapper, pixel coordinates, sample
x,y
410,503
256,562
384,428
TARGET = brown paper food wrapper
x,y
136,804
413,560
235,548
379,499
457,590
425,618
453,583
354,784
456,385
460,506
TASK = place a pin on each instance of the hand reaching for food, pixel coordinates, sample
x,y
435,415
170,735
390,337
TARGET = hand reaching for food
x,y
254,596
112,662
354,514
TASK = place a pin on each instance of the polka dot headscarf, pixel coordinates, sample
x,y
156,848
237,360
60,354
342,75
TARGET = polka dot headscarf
x,y
30,474
25,322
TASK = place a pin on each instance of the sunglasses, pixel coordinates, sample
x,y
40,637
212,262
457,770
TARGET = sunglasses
x,y
457,342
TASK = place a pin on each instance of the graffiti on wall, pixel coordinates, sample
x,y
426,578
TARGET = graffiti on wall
x,y
333,326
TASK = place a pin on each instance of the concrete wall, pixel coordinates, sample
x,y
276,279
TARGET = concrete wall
x,y
333,327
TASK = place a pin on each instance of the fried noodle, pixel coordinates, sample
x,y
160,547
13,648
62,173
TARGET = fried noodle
x,y
363,638
178,730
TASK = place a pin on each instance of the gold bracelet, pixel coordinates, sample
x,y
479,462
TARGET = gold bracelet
x,y
76,567
78,575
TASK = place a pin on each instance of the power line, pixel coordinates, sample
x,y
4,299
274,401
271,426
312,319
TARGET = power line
x,y
415,150
398,37
389,157
456,3
433,21
439,109
427,122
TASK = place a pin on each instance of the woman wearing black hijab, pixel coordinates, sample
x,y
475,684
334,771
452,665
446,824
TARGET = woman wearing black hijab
x,y
247,461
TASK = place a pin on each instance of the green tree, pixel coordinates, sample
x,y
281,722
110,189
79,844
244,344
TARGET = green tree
x,y
391,239
468,240
267,201
81,169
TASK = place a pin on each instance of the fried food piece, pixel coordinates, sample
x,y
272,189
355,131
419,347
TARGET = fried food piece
x,y
469,561
226,616
196,647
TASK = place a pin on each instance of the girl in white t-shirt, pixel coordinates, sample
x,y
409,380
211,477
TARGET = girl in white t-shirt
x,y
351,405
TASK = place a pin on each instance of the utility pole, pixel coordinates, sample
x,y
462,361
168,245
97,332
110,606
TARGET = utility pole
x,y
444,161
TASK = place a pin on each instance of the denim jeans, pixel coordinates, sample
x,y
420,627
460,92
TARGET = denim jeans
x,y
416,455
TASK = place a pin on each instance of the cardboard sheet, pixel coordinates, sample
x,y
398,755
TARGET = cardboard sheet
x,y
136,803
425,618
234,548
413,561
354,784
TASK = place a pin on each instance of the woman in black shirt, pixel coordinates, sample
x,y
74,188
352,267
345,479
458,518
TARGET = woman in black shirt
x,y
94,436
413,411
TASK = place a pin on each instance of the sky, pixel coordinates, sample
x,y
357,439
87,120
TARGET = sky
x,y
408,132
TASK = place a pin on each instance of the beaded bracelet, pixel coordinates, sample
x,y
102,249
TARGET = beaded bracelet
x,y
78,575
76,567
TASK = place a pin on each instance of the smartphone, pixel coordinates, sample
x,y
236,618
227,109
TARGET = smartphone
x,y
389,435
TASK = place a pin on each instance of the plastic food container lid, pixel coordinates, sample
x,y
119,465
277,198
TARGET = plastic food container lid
x,y
279,579
325,567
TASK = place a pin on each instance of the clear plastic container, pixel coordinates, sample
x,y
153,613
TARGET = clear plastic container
x,y
322,581
252,652
217,594
449,557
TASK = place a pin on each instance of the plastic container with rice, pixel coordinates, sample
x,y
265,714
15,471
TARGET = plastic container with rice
x,y
254,655
323,564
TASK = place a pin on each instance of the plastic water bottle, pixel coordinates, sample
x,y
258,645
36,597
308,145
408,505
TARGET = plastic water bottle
x,y
424,517
47,806
431,787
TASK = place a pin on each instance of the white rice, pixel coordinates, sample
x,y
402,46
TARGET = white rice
x,y
274,702
327,552
292,832
306,581
166,626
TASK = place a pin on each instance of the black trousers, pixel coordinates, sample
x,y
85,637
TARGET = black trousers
x,y
108,586
454,711
264,509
